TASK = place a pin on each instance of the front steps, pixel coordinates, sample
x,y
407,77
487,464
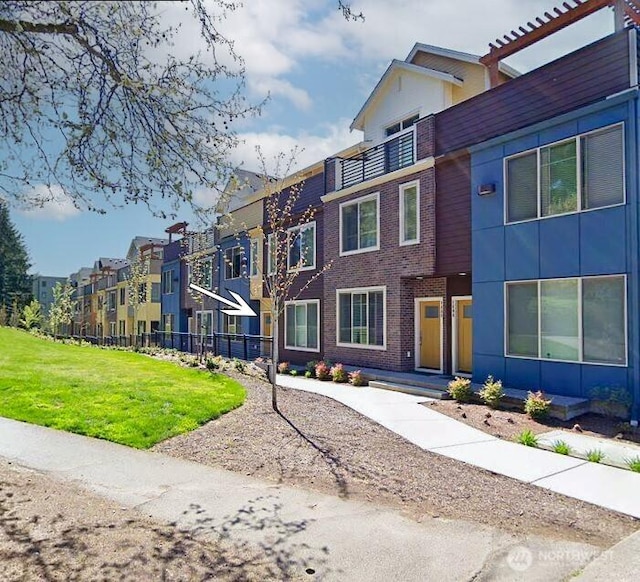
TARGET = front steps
x,y
427,392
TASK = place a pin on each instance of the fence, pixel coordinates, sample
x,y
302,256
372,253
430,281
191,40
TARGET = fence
x,y
229,345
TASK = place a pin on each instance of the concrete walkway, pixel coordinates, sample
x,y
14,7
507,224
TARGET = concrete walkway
x,y
602,485
306,535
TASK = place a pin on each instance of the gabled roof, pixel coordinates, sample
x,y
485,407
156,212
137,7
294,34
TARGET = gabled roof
x,y
140,241
395,66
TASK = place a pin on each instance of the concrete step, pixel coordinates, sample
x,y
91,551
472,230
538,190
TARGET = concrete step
x,y
428,392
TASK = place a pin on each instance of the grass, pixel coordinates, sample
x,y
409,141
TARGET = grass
x,y
633,464
595,455
119,396
561,448
527,438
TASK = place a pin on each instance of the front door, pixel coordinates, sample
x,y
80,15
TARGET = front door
x,y
430,313
464,332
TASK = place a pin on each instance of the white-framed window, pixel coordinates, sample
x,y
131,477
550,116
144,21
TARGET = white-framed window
x,y
123,296
570,320
361,317
142,327
254,252
233,263
167,281
409,212
231,324
168,322
122,327
271,255
582,173
360,225
301,321
301,245
400,125
204,322
112,300
112,328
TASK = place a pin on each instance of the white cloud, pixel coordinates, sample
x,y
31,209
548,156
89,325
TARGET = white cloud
x,y
48,203
309,148
279,88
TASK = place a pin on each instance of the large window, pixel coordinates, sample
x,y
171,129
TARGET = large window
x,y
167,281
361,317
231,324
204,322
359,225
301,325
572,320
581,173
233,263
302,247
254,257
168,322
272,254
410,213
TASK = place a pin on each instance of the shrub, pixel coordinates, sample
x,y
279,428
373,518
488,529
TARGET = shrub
x,y
357,378
308,374
460,389
294,372
212,364
283,368
339,374
561,448
595,455
311,368
633,464
322,371
527,438
536,405
492,392
238,365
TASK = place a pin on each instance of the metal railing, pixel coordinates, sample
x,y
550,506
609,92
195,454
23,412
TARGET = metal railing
x,y
384,158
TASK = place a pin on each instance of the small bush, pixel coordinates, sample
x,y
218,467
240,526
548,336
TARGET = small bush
x,y
212,364
308,374
595,455
460,389
492,392
294,372
357,378
311,368
527,438
633,464
238,365
322,371
339,374
536,405
561,448
283,368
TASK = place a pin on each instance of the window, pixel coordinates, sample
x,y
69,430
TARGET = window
x,y
359,225
122,327
231,324
361,317
112,301
410,213
142,293
271,255
302,247
232,263
254,257
301,325
404,124
112,328
155,292
581,173
168,322
123,295
167,281
204,322
571,320
142,327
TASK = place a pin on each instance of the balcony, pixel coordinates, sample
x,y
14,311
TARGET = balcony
x,y
389,156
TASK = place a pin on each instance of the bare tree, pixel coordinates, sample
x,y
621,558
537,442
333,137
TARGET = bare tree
x,y
93,102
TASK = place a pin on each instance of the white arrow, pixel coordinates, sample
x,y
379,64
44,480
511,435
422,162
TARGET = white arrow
x,y
241,307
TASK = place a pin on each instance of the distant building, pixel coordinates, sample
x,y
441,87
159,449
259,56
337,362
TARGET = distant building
x,y
43,290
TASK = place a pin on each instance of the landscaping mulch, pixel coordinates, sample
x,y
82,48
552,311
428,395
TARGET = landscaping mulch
x,y
317,443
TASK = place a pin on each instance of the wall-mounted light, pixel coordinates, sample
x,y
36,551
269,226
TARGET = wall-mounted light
x,y
486,189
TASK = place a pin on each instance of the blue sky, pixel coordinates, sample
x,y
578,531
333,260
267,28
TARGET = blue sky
x,y
319,70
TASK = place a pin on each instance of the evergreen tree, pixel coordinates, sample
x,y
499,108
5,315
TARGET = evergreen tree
x,y
15,283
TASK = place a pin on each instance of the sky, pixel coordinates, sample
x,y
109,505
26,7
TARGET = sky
x,y
318,70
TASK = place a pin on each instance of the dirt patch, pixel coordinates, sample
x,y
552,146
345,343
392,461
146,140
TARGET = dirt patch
x,y
317,443
507,424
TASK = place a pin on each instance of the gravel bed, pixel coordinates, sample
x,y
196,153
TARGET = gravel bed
x,y
317,443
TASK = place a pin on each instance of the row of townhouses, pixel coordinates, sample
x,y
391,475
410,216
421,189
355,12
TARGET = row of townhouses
x,y
486,224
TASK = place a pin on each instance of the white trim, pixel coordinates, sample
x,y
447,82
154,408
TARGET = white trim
x,y
351,291
417,330
578,139
302,302
195,321
580,360
401,190
374,196
230,264
454,333
419,166
633,57
301,228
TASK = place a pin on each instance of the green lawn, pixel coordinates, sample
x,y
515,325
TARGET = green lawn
x,y
123,397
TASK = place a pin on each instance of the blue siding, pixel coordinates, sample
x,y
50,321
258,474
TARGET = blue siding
x,y
170,302
596,242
